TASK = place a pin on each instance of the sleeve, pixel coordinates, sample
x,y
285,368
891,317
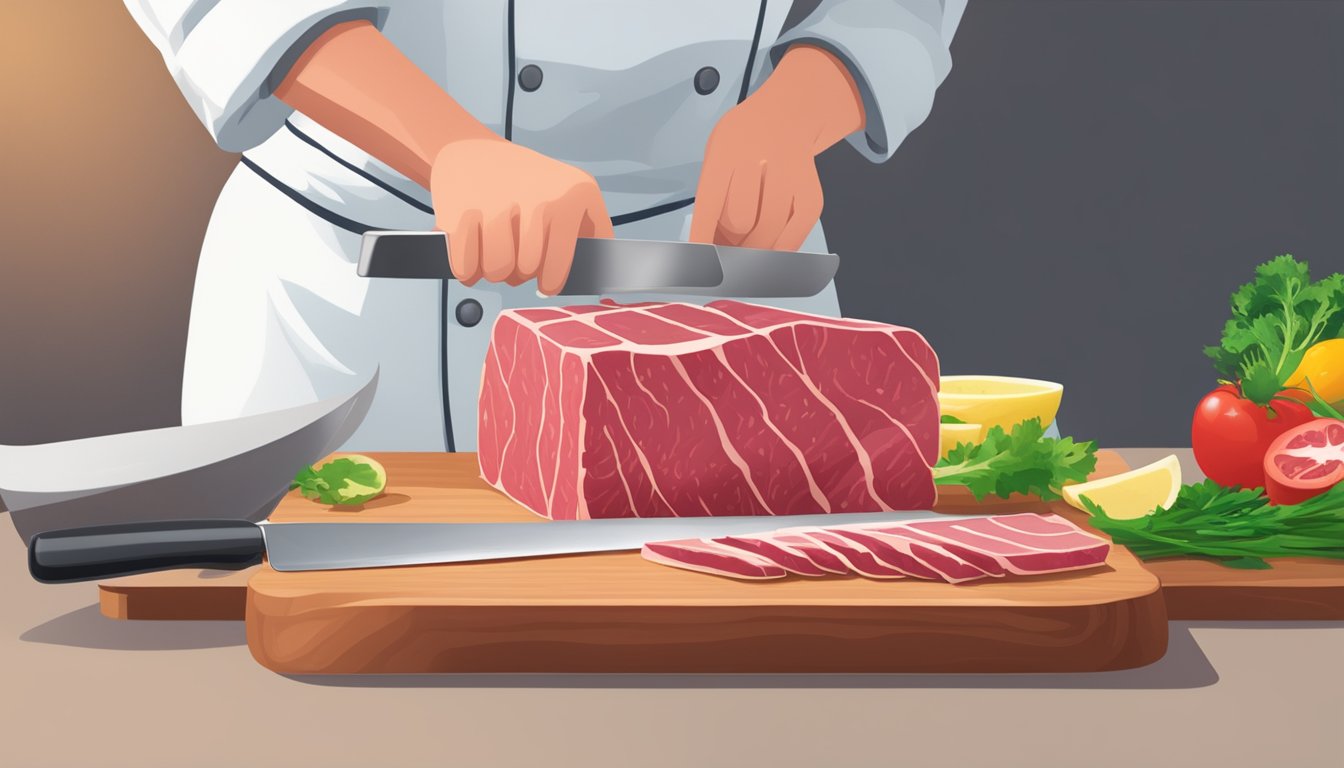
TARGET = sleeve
x,y
897,52
227,56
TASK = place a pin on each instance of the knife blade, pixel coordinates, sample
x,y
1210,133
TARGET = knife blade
x,y
607,265
118,550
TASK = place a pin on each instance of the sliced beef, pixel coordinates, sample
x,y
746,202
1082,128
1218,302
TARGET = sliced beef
x,y
859,559
708,557
782,555
896,557
985,563
1053,544
955,550
906,553
818,554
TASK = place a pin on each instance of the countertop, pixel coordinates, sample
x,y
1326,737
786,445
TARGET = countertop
x,y
81,690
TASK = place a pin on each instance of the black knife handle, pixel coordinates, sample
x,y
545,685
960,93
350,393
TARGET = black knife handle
x,y
104,551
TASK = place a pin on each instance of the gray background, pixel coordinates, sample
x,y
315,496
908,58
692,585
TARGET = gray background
x,y
1094,181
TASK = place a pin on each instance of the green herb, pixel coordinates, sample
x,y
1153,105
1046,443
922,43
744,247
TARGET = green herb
x,y
950,420
1320,407
1235,526
1024,461
1275,318
341,481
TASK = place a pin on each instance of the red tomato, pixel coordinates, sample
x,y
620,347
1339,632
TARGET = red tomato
x,y
1306,461
1231,435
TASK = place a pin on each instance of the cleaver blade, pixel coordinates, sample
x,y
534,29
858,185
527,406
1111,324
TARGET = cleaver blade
x,y
617,266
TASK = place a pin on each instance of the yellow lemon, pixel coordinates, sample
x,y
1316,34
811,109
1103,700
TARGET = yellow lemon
x,y
1132,494
1323,365
950,435
1001,401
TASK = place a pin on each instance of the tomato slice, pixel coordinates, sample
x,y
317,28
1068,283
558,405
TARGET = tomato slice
x,y
1305,461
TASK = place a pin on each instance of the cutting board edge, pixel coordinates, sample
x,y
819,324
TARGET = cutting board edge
x,y
1254,603
187,603
911,640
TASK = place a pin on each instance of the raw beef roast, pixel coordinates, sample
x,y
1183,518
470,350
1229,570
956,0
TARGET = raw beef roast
x,y
670,409
952,550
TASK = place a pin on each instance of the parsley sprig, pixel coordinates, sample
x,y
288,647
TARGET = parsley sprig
x,y
1275,318
1023,461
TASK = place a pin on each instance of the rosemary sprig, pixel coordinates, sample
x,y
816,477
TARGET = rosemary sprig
x,y
1238,527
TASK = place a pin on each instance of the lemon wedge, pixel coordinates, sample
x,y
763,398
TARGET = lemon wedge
x,y
999,401
1133,494
950,435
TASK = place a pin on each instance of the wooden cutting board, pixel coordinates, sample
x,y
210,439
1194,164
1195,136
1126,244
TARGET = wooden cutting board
x,y
618,613
445,483
1293,589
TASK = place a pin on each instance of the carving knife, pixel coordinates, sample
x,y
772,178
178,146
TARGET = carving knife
x,y
606,266
98,552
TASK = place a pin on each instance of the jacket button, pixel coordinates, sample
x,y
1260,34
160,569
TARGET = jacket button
x,y
706,80
529,78
469,313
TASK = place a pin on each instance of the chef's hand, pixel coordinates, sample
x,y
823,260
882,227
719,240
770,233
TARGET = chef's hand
x,y
513,214
758,185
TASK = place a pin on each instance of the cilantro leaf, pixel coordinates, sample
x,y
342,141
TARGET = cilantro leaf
x,y
1023,461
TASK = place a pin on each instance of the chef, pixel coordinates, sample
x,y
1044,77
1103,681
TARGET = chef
x,y
515,126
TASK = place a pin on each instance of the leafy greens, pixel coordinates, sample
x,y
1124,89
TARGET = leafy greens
x,y
340,481
1023,461
1275,318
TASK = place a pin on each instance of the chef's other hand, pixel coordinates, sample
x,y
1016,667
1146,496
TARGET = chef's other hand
x,y
512,214
758,185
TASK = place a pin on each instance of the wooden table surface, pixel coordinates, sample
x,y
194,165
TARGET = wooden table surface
x,y
80,689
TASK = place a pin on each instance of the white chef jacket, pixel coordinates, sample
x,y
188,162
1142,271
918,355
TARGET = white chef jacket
x,y
628,91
